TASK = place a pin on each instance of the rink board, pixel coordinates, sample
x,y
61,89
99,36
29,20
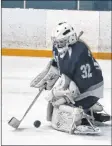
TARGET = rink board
x,y
33,36
46,53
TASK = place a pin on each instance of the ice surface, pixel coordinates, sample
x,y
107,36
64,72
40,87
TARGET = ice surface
x,y
17,73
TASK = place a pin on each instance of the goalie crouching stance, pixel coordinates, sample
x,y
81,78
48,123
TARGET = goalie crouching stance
x,y
75,83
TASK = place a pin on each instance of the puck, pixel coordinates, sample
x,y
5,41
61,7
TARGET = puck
x,y
37,123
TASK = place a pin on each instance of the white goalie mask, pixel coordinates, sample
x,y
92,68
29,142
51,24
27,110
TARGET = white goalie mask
x,y
63,36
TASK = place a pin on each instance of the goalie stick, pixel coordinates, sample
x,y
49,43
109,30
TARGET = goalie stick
x,y
80,34
15,122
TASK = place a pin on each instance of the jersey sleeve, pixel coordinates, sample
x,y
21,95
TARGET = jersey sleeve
x,y
54,59
54,63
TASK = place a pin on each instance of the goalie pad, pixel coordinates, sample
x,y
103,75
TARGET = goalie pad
x,y
49,111
49,76
64,117
68,119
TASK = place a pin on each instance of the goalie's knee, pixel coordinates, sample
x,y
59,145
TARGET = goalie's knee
x,y
65,116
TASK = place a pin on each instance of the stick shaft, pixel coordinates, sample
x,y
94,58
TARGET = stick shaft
x,y
80,35
32,103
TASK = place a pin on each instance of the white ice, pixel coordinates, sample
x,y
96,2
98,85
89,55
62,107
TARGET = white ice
x,y
17,73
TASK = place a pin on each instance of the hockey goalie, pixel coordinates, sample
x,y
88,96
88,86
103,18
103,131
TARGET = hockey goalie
x,y
75,83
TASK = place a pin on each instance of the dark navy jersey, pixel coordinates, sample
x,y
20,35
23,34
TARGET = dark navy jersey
x,y
80,66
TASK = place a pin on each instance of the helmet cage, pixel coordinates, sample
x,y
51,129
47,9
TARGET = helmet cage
x,y
60,43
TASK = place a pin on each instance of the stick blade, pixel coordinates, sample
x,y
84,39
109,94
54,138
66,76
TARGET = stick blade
x,y
14,122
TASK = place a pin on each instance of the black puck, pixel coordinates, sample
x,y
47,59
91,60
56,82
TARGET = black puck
x,y
37,123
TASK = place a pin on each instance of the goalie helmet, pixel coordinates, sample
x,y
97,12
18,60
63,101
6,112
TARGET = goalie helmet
x,y
63,36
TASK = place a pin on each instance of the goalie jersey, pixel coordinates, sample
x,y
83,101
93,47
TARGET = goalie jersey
x,y
80,66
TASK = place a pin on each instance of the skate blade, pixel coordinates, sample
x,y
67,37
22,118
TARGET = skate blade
x,y
87,130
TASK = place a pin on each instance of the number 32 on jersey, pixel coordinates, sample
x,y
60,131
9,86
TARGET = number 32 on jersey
x,y
86,71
